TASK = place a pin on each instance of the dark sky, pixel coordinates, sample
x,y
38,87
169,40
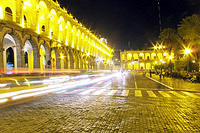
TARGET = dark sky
x,y
133,22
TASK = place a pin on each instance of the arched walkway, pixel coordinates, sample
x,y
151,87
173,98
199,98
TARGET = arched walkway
x,y
53,60
28,55
44,57
11,53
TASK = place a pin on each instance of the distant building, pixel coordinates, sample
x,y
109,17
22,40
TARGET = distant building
x,y
143,59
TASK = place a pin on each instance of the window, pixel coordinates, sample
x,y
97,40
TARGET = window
x,y
148,58
129,56
8,14
43,28
122,57
25,21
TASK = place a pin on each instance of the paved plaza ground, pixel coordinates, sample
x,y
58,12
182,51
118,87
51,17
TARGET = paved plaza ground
x,y
124,104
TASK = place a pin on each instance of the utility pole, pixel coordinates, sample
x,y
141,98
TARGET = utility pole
x,y
159,15
129,45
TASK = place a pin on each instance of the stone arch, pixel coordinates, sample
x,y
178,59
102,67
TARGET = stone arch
x,y
28,55
31,41
55,61
10,40
28,20
44,56
43,18
68,34
61,23
82,42
53,24
73,45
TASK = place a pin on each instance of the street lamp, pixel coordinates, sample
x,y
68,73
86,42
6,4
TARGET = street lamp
x,y
170,57
161,67
187,52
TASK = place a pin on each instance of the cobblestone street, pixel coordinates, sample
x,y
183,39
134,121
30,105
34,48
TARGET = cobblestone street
x,y
125,104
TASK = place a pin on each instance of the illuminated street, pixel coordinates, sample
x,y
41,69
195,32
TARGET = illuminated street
x,y
91,66
102,103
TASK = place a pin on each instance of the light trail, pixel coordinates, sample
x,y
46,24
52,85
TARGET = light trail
x,y
3,85
57,87
27,82
3,100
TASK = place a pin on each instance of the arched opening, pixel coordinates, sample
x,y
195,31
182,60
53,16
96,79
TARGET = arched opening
x,y
53,60
28,55
10,53
142,66
26,59
43,15
43,62
8,14
10,58
53,24
61,29
44,57
136,66
68,40
74,37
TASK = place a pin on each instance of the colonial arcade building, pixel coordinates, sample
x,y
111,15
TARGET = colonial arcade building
x,y
143,59
41,34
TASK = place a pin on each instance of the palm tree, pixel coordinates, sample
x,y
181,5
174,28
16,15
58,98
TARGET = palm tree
x,y
170,39
189,30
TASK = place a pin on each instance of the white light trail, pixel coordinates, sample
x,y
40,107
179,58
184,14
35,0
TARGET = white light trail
x,y
3,85
56,87
3,100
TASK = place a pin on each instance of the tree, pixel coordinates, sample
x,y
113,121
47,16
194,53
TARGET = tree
x,y
189,29
170,39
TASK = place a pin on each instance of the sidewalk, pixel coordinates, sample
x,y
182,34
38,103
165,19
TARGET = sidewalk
x,y
177,84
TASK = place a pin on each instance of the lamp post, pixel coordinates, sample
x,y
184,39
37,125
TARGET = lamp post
x,y
187,53
170,63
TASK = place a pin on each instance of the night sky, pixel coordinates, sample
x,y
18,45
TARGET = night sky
x,y
129,24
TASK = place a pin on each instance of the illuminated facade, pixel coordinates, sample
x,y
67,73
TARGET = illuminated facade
x,y
41,34
138,60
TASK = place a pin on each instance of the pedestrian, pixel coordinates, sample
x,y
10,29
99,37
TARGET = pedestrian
x,y
163,74
150,73
160,74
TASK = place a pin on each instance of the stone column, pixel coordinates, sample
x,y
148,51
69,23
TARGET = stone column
x,y
58,63
1,58
22,65
36,58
